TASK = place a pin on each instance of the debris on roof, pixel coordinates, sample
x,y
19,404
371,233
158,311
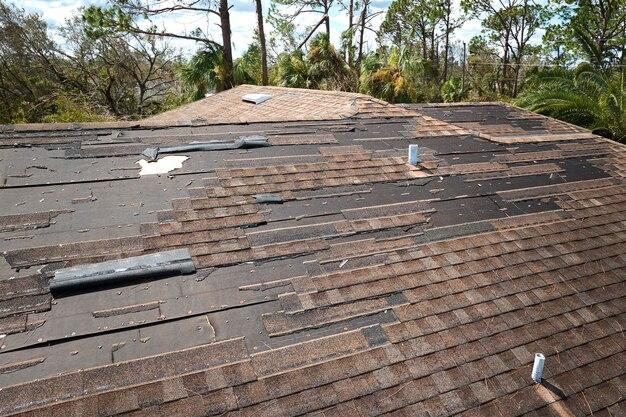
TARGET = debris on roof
x,y
243,142
174,262
323,274
161,166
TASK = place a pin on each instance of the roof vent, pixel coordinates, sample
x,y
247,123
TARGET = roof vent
x,y
537,373
86,277
414,154
256,98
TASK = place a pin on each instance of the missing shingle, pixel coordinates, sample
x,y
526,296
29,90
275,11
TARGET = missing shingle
x,y
375,336
448,232
397,298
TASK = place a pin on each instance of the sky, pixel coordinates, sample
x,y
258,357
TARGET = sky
x,y
242,16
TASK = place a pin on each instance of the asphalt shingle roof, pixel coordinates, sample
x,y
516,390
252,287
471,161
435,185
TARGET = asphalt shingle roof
x,y
285,104
364,286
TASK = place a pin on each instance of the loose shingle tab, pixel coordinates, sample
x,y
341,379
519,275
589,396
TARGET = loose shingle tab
x,y
373,287
245,142
88,277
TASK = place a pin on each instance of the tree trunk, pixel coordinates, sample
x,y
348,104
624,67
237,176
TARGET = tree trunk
x,y
447,41
424,45
327,13
350,23
464,63
505,64
361,35
226,43
259,15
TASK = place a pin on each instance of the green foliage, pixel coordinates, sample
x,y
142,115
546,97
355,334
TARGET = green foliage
x,y
326,68
599,29
397,76
321,68
291,70
102,21
205,72
109,64
247,69
67,109
586,97
452,90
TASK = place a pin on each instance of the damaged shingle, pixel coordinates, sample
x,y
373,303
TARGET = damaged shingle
x,y
87,277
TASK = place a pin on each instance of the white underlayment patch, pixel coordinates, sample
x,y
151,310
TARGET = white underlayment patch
x,y
161,166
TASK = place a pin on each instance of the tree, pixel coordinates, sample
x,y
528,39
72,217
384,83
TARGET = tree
x,y
599,26
423,23
558,46
397,76
128,73
347,36
509,25
35,78
206,72
484,71
299,8
262,44
292,70
321,68
586,97
127,76
127,16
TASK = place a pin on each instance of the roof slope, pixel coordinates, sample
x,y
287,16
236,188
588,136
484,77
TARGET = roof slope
x,y
286,104
360,286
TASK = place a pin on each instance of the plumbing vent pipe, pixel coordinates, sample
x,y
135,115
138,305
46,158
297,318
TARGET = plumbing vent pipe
x,y
537,373
414,154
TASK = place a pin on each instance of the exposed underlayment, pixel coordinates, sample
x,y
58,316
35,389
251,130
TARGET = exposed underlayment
x,y
331,277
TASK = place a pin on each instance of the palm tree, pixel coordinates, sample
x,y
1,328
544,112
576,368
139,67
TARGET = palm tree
x,y
291,70
208,71
327,68
394,76
588,97
321,68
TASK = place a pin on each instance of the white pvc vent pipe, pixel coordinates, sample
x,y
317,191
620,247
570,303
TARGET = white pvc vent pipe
x,y
414,154
537,373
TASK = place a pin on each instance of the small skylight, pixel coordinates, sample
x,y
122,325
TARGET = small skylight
x,y
256,98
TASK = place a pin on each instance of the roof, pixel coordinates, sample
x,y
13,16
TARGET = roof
x,y
285,104
326,275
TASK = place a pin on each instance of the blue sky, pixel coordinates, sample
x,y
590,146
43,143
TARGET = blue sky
x,y
243,21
